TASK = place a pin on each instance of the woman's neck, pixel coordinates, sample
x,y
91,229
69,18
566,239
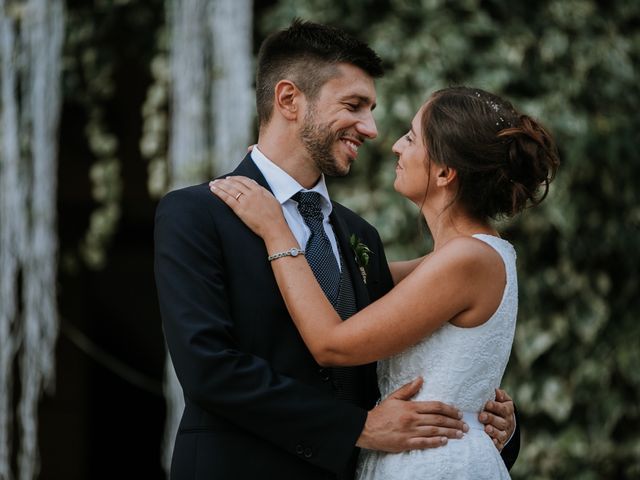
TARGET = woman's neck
x,y
451,223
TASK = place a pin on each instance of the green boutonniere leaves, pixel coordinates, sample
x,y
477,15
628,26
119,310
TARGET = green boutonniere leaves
x,y
362,254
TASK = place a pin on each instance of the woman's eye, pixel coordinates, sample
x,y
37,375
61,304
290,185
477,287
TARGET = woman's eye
x,y
407,137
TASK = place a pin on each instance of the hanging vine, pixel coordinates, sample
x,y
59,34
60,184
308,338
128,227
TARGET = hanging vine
x,y
89,79
154,141
31,36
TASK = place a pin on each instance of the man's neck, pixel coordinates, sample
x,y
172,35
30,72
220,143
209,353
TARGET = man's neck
x,y
290,156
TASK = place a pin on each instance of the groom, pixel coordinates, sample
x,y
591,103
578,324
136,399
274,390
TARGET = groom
x,y
256,403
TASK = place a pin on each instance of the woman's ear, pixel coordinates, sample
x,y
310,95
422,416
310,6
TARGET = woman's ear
x,y
445,175
287,99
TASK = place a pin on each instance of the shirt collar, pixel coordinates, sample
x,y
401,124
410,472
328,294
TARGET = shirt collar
x,y
283,185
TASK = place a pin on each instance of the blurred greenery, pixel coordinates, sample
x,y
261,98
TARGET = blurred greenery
x,y
575,368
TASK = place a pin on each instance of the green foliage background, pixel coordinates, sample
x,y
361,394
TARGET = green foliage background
x,y
575,368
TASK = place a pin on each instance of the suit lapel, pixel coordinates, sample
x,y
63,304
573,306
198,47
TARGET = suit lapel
x,y
342,236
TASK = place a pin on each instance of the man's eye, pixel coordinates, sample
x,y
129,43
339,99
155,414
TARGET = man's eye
x,y
352,106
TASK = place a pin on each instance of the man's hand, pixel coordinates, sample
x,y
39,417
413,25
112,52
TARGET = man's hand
x,y
398,424
499,419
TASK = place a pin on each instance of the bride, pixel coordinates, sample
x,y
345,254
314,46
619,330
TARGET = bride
x,y
468,157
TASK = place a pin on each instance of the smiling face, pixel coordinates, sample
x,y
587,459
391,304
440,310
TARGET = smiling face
x,y
339,120
413,170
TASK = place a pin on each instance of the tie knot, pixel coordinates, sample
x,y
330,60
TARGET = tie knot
x,y
308,204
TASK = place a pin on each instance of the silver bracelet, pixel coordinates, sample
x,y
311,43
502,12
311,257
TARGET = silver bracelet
x,y
292,252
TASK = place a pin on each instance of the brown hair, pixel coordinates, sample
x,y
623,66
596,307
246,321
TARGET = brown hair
x,y
307,54
504,160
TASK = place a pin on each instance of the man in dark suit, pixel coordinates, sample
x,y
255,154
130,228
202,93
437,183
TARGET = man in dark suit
x,y
257,404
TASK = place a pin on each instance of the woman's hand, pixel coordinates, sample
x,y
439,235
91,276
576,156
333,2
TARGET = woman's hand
x,y
253,204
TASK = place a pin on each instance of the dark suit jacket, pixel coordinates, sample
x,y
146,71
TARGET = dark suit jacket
x,y
257,404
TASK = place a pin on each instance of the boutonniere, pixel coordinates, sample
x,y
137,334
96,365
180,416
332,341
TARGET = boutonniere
x,y
361,253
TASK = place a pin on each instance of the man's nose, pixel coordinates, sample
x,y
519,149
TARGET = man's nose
x,y
367,127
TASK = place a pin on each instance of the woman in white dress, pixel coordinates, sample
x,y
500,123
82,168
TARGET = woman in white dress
x,y
467,158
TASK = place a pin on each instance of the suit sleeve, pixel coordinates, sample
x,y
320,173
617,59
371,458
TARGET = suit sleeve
x,y
214,372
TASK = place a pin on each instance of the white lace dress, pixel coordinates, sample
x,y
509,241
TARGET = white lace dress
x,y
461,367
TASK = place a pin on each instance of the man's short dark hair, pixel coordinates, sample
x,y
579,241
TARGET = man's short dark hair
x,y
307,54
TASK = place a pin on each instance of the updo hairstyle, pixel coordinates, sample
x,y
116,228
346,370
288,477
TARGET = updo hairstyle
x,y
504,160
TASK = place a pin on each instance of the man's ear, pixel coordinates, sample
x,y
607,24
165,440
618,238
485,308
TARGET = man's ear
x,y
445,175
287,99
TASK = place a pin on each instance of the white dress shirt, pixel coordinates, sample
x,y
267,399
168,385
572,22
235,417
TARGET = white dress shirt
x,y
284,187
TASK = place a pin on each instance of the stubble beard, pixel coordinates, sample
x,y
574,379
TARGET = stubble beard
x,y
319,140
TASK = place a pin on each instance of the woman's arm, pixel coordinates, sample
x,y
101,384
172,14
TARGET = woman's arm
x,y
399,270
412,310
397,321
